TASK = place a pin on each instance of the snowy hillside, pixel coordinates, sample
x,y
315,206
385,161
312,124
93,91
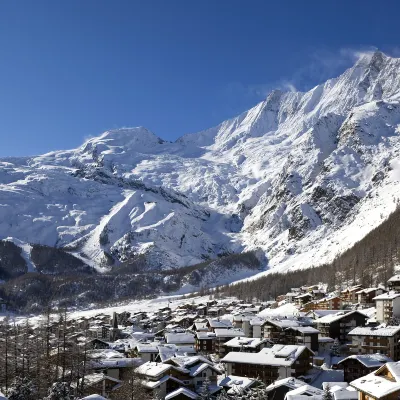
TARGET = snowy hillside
x,y
301,176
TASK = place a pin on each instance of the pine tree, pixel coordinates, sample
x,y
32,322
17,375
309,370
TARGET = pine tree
x,y
205,393
22,389
335,350
327,393
59,391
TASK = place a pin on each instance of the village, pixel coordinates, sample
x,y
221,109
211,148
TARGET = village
x,y
304,344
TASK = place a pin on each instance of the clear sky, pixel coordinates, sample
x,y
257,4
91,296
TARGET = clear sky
x,y
70,69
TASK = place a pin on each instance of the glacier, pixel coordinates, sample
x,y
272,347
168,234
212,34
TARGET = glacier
x,y
300,178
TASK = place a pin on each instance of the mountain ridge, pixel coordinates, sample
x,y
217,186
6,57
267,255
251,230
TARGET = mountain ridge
x,y
297,176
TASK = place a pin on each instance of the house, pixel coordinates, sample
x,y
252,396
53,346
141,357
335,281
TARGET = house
x,y
329,303
383,383
97,344
358,365
278,389
180,338
199,369
213,324
161,379
248,345
237,385
305,392
349,296
337,326
117,368
302,299
205,342
302,335
394,283
216,311
146,351
365,297
383,339
274,329
222,336
387,306
97,383
270,364
341,390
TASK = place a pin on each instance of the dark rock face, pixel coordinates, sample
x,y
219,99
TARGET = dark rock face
x,y
50,260
12,264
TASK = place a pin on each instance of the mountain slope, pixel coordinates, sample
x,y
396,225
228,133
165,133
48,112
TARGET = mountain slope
x,y
301,176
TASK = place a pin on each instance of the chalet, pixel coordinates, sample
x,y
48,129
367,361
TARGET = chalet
x,y
117,368
146,351
387,306
381,384
199,369
305,392
161,379
341,390
275,329
383,339
270,364
302,336
97,383
205,342
365,297
318,313
358,365
349,295
181,394
329,303
213,324
237,385
180,339
222,336
302,299
248,345
337,326
278,389
394,283
215,312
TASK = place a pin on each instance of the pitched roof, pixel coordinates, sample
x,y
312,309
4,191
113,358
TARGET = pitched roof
x,y
378,385
277,355
181,391
369,360
328,319
381,330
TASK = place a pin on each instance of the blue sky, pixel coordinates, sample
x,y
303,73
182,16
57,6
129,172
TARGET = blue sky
x,y
73,69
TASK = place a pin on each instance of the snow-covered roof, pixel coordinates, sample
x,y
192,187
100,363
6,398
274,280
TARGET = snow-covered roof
x,y
378,385
328,319
277,355
236,384
2,396
387,296
305,390
205,335
181,392
223,323
152,369
240,342
179,338
369,360
147,347
91,397
304,329
196,369
381,330
228,332
116,363
394,278
291,383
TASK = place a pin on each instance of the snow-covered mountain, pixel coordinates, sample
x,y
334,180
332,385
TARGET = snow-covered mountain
x,y
301,176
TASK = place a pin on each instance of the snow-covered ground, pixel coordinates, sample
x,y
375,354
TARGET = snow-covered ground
x,y
301,176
